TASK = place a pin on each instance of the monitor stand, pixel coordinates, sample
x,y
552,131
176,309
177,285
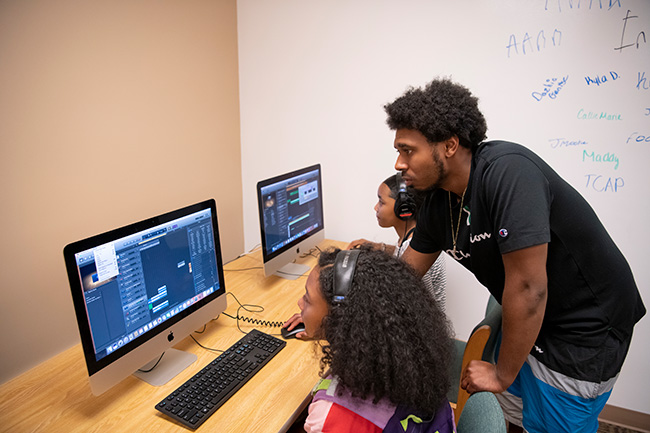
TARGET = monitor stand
x,y
291,271
173,362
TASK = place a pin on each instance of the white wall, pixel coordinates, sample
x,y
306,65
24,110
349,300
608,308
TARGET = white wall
x,y
315,75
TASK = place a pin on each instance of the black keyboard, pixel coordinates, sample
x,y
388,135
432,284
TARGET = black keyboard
x,y
193,402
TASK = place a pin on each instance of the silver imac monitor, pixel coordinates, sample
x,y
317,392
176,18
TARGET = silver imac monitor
x,y
140,289
291,219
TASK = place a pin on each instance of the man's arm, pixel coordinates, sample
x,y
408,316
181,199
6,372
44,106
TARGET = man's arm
x,y
524,303
419,261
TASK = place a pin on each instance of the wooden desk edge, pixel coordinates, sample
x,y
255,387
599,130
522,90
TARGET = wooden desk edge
x,y
58,388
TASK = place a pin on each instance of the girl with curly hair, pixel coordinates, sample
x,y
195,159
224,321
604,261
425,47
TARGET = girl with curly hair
x,y
385,352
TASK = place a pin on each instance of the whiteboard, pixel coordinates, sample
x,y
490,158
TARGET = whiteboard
x,y
570,79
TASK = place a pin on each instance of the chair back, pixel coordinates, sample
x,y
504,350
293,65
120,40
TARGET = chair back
x,y
482,414
493,314
481,345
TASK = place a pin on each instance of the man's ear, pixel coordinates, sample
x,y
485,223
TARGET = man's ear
x,y
451,146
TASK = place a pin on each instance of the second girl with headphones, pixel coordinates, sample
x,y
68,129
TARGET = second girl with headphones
x,y
397,207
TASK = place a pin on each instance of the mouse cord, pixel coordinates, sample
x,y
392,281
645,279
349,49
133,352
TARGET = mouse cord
x,y
251,308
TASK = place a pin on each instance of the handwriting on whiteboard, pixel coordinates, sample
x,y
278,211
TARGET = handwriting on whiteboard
x,y
600,183
631,38
642,82
563,142
602,115
635,137
578,4
601,79
608,157
530,44
551,88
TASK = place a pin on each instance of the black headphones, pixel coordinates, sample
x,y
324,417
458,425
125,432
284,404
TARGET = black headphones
x,y
404,204
344,266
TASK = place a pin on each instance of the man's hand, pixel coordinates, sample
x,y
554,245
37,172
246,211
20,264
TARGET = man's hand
x,y
358,242
482,376
380,246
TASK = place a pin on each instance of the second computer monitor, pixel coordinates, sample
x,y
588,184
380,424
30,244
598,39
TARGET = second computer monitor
x,y
291,219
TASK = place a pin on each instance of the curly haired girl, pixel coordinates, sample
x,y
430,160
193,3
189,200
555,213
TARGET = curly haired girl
x,y
383,365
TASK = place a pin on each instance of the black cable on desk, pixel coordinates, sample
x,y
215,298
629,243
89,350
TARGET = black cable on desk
x,y
251,308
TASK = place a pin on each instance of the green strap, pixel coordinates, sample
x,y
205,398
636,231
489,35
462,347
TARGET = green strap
x,y
323,384
405,422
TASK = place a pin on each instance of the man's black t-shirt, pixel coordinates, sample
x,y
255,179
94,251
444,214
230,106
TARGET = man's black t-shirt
x,y
515,200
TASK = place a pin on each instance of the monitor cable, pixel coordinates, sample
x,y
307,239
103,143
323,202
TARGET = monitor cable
x,y
154,366
311,252
202,346
243,269
252,250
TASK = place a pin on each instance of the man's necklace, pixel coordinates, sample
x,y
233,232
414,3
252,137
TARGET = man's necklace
x,y
454,236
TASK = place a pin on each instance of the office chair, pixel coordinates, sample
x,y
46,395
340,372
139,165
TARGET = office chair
x,y
482,414
481,345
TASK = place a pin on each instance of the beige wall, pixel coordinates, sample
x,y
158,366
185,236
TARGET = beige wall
x,y
110,112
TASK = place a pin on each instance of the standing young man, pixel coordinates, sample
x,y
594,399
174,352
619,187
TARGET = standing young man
x,y
568,295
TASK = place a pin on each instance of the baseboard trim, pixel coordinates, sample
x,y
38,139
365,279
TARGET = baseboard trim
x,y
626,418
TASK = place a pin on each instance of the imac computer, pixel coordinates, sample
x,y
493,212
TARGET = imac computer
x,y
140,289
291,219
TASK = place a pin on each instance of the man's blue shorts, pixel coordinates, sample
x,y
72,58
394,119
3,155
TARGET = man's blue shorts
x,y
544,400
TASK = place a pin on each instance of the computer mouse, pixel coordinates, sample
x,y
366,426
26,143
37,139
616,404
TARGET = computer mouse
x,y
286,334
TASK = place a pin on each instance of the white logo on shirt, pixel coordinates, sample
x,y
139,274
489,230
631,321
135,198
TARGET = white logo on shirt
x,y
478,238
458,255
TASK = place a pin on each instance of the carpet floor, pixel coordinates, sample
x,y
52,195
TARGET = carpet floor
x,y
603,427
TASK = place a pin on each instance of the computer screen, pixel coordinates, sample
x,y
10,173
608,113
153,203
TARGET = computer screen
x,y
140,289
291,219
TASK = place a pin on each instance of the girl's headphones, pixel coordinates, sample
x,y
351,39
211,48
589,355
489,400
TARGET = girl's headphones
x,y
344,266
404,204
